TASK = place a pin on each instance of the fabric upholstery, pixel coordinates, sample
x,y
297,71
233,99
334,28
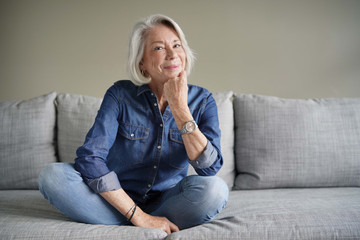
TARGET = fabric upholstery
x,y
25,214
27,130
226,121
296,143
313,213
76,115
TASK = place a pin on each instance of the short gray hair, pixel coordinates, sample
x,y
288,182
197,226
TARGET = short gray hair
x,y
137,45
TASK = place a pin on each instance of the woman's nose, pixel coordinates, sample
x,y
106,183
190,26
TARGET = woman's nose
x,y
170,53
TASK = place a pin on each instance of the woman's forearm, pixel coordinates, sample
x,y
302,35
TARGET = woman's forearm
x,y
194,142
120,200
125,205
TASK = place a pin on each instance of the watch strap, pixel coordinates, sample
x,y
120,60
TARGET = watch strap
x,y
183,130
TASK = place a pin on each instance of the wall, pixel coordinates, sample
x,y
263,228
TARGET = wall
x,y
286,48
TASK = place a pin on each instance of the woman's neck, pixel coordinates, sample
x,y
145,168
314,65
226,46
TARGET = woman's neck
x,y
158,90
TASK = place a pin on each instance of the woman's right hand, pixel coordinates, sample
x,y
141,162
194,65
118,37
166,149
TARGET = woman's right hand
x,y
142,219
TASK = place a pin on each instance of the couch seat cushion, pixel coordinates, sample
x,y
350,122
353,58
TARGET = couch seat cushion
x,y
25,214
318,213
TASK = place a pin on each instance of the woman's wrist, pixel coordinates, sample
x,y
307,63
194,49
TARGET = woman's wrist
x,y
181,115
138,217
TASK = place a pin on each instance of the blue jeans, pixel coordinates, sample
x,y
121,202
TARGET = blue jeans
x,y
194,200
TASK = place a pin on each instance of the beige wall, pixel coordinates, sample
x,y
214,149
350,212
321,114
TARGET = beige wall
x,y
286,48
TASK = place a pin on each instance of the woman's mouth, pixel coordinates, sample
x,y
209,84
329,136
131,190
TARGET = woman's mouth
x,y
172,67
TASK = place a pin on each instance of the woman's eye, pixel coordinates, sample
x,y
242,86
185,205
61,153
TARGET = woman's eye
x,y
177,45
158,48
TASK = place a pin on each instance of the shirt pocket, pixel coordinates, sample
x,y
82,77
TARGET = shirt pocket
x,y
133,144
177,157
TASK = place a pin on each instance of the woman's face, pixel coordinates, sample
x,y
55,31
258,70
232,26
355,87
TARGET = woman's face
x,y
164,57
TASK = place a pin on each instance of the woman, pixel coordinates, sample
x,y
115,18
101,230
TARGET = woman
x,y
132,167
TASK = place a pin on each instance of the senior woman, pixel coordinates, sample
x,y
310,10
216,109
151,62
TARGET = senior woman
x,y
132,167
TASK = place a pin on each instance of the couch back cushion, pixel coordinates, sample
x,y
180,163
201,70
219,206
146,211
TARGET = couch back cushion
x,y
27,143
226,122
296,143
76,114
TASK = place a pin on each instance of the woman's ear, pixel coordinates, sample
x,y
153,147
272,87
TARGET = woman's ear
x,y
141,65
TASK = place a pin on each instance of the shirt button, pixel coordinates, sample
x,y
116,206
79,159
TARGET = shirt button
x,y
155,104
155,167
152,94
149,185
158,147
131,135
161,125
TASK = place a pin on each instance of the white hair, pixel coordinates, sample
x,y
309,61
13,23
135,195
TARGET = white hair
x,y
137,45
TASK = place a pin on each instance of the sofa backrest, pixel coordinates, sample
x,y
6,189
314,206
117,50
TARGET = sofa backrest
x,y
284,143
76,114
27,142
278,142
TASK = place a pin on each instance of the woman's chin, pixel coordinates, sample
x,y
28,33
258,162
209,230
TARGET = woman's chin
x,y
174,74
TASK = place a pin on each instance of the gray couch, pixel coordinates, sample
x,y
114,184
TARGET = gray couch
x,y
293,167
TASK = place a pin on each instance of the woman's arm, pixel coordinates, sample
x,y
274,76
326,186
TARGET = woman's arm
x,y
125,205
176,93
91,163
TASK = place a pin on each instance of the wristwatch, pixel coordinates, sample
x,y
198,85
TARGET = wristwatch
x,y
188,127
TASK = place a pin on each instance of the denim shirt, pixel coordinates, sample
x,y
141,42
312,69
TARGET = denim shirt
x,y
133,146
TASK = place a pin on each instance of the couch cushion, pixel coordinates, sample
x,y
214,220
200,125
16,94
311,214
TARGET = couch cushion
x,y
313,213
27,131
226,121
296,143
76,115
25,214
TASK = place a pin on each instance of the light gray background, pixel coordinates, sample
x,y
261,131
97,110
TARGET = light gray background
x,y
285,48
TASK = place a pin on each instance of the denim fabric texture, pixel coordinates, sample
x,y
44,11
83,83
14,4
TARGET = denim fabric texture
x,y
64,188
133,146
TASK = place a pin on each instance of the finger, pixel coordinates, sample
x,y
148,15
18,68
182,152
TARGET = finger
x,y
181,74
173,227
168,231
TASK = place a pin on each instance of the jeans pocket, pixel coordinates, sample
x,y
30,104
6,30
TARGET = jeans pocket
x,y
134,142
178,157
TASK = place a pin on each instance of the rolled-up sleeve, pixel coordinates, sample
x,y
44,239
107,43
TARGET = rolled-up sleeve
x,y
91,159
108,182
211,160
207,158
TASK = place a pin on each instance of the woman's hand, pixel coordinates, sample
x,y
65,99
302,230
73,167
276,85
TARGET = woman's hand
x,y
142,219
176,91
176,94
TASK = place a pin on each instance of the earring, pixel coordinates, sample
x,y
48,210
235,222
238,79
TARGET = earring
x,y
142,72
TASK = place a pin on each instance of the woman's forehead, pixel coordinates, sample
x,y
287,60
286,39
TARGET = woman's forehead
x,y
161,32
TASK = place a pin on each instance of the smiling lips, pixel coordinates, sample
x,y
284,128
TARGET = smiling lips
x,y
172,67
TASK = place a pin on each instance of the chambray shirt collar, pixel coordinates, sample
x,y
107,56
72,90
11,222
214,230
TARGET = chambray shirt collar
x,y
143,88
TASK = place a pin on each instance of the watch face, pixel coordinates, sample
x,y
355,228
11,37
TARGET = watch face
x,y
190,126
